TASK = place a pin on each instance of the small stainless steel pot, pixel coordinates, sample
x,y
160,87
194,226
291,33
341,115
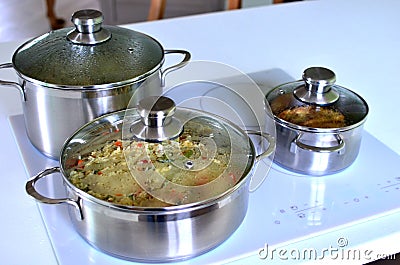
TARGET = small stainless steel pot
x,y
70,76
152,234
312,150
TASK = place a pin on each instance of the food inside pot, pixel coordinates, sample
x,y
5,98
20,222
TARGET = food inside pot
x,y
314,116
105,173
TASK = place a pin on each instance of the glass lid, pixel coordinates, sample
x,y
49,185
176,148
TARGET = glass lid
x,y
317,102
89,54
181,155
157,154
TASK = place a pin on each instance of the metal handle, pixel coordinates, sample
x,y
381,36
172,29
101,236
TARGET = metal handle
x,y
31,190
319,149
9,83
271,146
256,182
182,63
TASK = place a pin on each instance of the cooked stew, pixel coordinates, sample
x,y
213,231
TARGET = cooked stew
x,y
313,116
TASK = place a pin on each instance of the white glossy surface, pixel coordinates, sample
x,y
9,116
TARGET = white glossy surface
x,y
357,39
287,208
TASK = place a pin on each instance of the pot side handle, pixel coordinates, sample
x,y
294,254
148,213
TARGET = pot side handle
x,y
271,146
317,149
255,183
9,83
182,63
31,190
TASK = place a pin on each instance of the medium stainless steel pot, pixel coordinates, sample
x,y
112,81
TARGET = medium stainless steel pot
x,y
316,150
70,76
156,234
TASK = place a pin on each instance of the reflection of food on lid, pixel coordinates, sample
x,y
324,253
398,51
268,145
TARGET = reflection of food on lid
x,y
314,116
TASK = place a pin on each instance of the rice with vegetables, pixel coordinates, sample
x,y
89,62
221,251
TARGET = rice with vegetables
x,y
105,174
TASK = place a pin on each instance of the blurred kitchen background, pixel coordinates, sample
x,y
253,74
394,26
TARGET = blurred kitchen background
x,y
24,19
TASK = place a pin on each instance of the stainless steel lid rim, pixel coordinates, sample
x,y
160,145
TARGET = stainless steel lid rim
x,y
99,87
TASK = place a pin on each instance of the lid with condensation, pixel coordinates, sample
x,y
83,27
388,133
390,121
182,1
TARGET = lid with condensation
x,y
88,56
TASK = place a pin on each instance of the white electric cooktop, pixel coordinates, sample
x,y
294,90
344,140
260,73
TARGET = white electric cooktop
x,y
286,208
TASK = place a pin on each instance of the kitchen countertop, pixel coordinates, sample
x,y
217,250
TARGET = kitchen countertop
x,y
359,40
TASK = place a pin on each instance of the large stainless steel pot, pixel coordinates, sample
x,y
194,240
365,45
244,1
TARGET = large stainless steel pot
x,y
317,150
70,76
156,234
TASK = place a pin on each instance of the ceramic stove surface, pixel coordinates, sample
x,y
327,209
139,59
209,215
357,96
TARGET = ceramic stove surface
x,y
297,206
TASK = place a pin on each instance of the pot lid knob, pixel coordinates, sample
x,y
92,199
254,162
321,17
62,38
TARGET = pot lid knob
x,y
318,87
88,30
156,122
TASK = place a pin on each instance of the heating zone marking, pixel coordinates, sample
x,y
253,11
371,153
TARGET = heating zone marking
x,y
301,212
389,184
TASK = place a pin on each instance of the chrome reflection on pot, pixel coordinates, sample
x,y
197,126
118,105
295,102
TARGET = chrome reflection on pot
x,y
317,150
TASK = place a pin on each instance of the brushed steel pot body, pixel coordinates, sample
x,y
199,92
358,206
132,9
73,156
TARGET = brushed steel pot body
x,y
316,152
161,235
152,234
52,115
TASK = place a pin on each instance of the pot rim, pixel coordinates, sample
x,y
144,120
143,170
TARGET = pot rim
x,y
90,87
290,125
221,199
